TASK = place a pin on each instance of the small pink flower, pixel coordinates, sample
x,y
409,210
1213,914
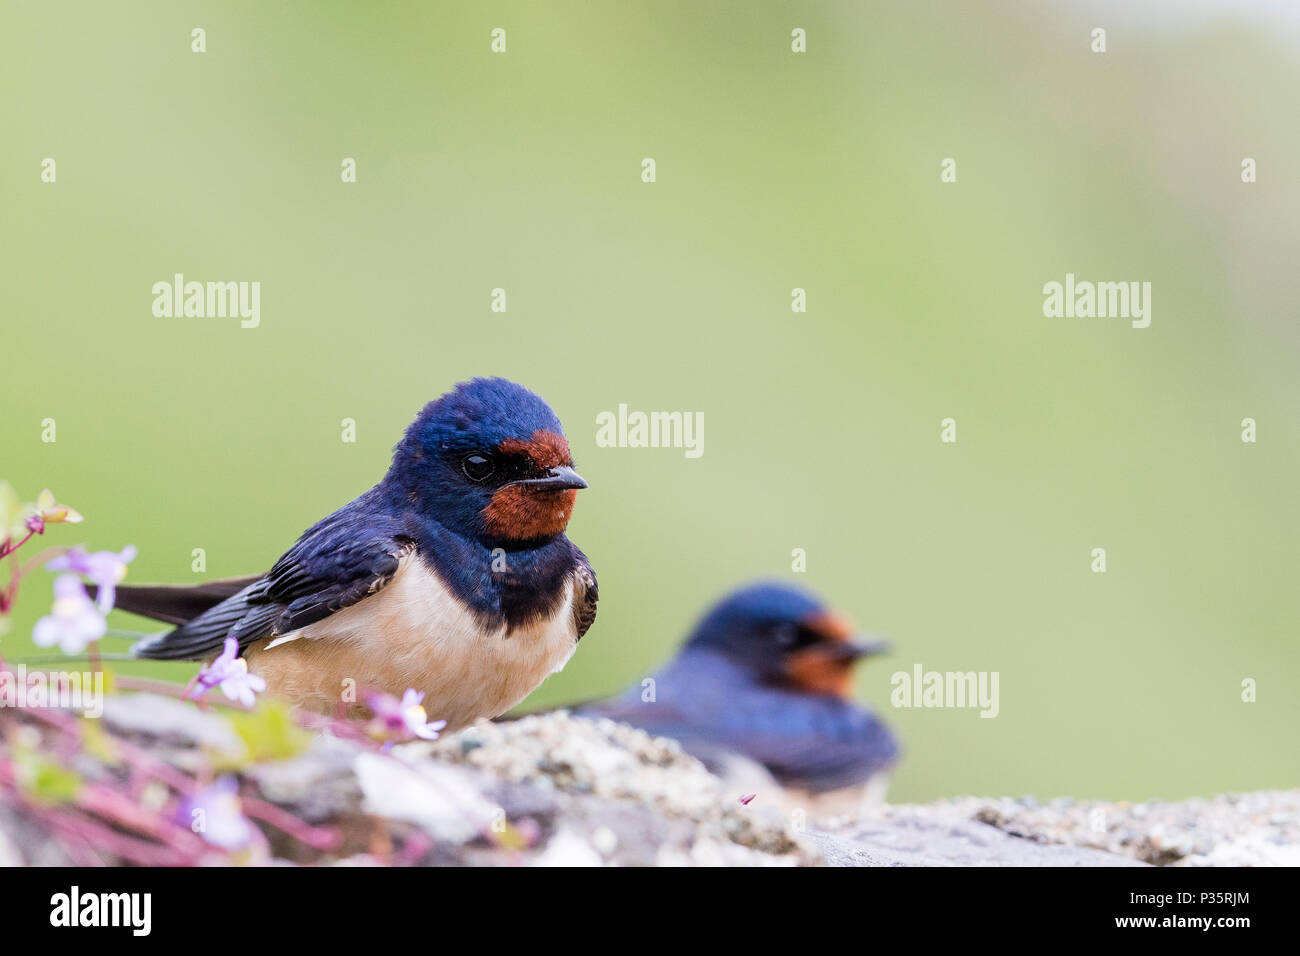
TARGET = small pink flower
x,y
215,814
230,673
75,620
405,717
104,569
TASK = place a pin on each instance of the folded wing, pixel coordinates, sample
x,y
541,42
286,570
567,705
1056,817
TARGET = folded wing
x,y
331,567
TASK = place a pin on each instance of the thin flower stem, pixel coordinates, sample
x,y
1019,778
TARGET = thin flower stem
x,y
133,635
70,725
141,760
94,835
117,808
70,658
152,686
319,838
40,558
130,849
11,589
18,571
10,548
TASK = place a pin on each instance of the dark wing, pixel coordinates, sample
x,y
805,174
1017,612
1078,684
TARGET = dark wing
x,y
331,567
177,603
817,748
817,743
585,596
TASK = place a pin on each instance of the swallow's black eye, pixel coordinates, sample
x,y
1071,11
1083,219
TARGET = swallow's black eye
x,y
792,637
787,635
477,467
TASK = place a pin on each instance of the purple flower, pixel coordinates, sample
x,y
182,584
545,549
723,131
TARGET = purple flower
x,y
103,568
75,620
214,813
405,717
230,673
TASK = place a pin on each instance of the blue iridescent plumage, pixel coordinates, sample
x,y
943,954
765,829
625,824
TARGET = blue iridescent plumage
x,y
731,690
430,505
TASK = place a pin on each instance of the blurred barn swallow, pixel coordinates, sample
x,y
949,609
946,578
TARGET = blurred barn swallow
x,y
451,576
765,678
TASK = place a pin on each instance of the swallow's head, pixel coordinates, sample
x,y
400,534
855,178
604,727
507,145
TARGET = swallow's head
x,y
489,460
784,637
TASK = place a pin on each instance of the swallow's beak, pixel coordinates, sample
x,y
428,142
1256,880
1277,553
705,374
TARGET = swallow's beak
x,y
558,478
863,645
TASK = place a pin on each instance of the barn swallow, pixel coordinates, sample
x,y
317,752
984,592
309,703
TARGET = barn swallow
x,y
765,678
451,576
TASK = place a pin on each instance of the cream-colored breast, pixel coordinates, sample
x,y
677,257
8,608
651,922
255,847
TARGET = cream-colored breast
x,y
415,633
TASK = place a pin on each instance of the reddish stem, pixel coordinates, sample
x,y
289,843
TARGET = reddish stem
x,y
94,835
17,571
320,838
32,563
9,548
113,806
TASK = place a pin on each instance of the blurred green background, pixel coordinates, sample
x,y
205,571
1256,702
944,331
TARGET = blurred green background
x,y
775,171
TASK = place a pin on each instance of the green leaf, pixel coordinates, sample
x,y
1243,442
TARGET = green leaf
x,y
269,732
43,781
97,742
